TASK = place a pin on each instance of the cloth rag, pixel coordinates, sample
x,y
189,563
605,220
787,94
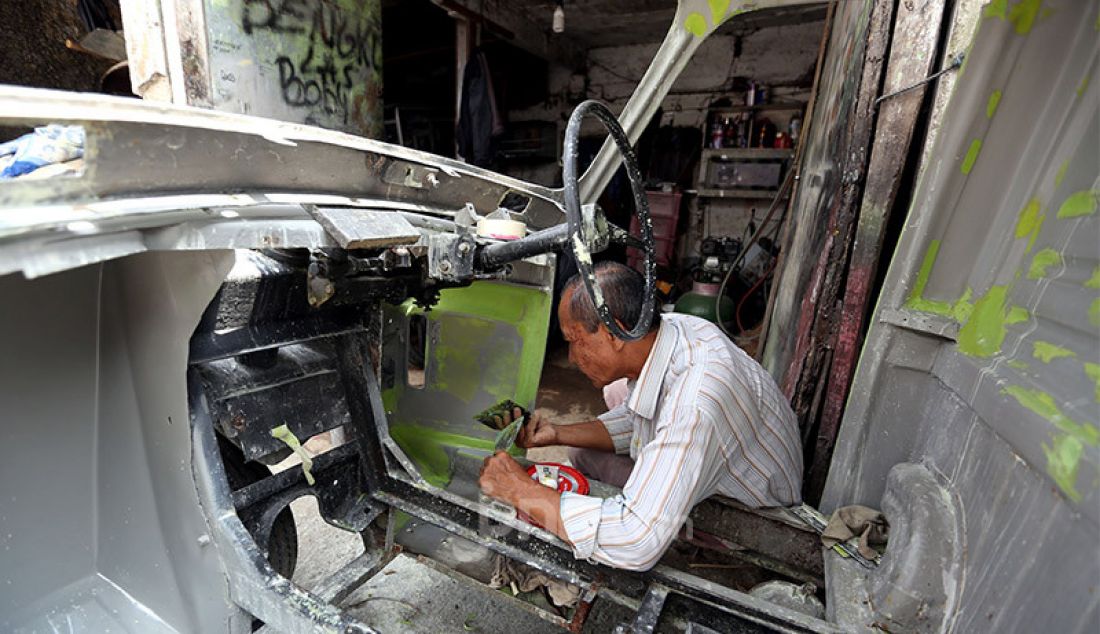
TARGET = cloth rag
x,y
47,145
851,521
527,579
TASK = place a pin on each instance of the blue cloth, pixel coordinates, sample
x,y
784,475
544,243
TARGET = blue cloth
x,y
53,143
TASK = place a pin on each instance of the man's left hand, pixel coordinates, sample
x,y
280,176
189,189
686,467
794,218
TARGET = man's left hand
x,y
501,476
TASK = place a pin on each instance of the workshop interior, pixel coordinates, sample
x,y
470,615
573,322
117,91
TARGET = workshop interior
x,y
277,274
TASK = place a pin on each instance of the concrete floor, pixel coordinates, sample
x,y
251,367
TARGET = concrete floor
x,y
409,596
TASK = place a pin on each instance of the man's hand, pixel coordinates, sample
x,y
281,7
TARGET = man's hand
x,y
537,432
502,478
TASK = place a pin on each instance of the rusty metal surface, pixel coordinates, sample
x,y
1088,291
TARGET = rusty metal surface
x,y
912,55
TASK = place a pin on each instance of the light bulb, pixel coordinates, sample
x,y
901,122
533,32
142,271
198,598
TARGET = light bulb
x,y
559,19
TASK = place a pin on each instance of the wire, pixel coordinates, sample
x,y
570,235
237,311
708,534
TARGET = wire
x,y
755,236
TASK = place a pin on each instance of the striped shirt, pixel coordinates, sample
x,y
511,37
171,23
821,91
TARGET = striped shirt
x,y
702,418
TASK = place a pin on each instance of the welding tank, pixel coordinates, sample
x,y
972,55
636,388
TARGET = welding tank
x,y
700,302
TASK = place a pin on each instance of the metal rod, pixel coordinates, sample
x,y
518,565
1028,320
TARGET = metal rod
x,y
956,62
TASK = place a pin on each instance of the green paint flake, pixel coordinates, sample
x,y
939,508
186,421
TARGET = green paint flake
x,y
916,299
283,433
1094,281
994,101
1061,175
962,308
1047,352
1065,451
1030,222
696,24
1017,364
971,156
1092,371
1082,203
1042,261
996,9
1023,15
1016,315
1063,463
983,334
1094,312
1083,86
718,10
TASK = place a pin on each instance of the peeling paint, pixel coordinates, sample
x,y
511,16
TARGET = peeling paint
x,y
994,101
1094,281
1083,86
962,308
1042,261
1082,203
696,24
1016,315
1047,352
1017,364
1061,175
996,9
1092,370
1064,453
983,334
916,299
1030,222
718,10
971,156
1094,312
1023,15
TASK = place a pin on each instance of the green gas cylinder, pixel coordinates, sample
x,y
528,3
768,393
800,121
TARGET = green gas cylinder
x,y
700,302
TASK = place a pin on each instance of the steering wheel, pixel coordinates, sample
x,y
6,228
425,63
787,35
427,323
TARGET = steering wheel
x,y
582,230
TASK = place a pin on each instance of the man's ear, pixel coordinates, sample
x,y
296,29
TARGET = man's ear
x,y
616,343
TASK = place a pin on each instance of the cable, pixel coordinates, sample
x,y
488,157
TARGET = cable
x,y
755,236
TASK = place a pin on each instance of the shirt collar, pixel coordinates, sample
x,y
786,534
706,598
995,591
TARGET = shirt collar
x,y
647,389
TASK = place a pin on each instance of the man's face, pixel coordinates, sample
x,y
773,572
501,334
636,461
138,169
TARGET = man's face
x,y
595,353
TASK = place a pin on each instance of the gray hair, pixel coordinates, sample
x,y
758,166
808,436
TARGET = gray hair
x,y
623,289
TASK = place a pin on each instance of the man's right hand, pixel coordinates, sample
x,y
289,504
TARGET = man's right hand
x,y
537,432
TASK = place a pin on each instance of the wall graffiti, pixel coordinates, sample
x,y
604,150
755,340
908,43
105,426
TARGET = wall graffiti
x,y
320,61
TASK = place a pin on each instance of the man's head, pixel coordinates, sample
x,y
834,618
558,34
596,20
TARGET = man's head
x,y
599,354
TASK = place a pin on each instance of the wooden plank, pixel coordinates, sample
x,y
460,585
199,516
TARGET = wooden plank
x,y
364,228
912,55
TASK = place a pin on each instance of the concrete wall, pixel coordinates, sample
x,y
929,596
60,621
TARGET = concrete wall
x,y
781,58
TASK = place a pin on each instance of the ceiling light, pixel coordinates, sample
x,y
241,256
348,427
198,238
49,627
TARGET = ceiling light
x,y
559,17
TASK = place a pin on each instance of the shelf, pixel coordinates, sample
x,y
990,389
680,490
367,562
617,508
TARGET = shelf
x,y
764,107
748,153
735,193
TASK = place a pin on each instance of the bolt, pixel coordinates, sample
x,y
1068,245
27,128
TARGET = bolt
x,y
463,247
445,266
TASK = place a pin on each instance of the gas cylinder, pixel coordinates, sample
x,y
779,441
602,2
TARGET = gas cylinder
x,y
700,302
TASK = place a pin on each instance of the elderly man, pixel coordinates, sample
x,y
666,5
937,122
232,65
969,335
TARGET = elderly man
x,y
702,418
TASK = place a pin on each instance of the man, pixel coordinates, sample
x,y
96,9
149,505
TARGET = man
x,y
702,418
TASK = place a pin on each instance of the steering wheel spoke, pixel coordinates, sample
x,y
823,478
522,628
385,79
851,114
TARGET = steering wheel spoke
x,y
580,238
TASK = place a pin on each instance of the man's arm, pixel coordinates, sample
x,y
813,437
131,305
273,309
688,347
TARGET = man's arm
x,y
539,432
503,478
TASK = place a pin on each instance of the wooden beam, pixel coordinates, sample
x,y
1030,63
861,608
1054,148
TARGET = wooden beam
x,y
507,21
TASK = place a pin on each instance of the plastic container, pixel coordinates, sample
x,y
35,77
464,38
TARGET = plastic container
x,y
664,212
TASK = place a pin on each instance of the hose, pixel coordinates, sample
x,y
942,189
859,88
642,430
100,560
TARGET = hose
x,y
755,236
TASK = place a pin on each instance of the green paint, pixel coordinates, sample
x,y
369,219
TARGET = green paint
x,y
983,334
962,308
428,449
1064,453
994,101
696,24
1064,462
1082,203
1061,175
996,9
718,10
1094,281
1017,364
283,433
1016,315
1083,86
916,299
1092,371
1042,261
1094,312
971,156
1047,352
1023,15
1030,222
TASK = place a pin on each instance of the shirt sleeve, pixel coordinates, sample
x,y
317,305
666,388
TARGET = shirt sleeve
x,y
620,425
633,530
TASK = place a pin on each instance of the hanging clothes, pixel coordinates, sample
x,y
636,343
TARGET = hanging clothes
x,y
479,120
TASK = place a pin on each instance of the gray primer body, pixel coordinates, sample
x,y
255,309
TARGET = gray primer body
x,y
1006,547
